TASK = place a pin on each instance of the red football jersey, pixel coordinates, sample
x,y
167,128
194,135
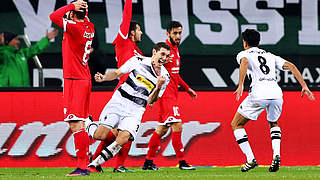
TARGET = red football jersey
x,y
173,67
76,44
125,48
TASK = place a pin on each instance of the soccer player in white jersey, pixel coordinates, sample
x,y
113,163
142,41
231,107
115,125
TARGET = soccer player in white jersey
x,y
264,94
146,82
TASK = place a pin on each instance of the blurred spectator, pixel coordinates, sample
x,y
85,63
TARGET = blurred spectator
x,y
13,60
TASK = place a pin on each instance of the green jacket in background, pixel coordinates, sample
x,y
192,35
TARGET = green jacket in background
x,y
14,70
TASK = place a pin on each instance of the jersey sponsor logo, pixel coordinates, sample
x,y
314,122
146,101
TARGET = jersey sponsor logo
x,y
88,35
148,84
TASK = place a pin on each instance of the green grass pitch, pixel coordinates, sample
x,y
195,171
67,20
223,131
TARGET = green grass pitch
x,y
167,173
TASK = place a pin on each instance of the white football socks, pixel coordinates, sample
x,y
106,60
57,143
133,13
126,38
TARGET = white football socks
x,y
242,140
106,154
275,133
90,126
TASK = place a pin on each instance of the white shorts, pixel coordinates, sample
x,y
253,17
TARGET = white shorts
x,y
123,114
251,109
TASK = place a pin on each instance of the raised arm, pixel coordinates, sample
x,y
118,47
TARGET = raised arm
x,y
126,18
57,16
39,46
305,90
242,76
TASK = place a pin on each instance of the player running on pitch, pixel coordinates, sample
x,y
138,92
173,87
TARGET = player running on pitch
x,y
264,93
146,82
125,47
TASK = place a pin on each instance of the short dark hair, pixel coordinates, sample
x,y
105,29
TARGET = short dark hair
x,y
252,37
173,24
133,26
160,45
80,14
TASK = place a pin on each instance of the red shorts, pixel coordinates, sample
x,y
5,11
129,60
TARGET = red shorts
x,y
169,111
76,99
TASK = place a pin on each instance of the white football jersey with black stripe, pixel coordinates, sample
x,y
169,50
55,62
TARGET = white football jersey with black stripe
x,y
142,79
262,67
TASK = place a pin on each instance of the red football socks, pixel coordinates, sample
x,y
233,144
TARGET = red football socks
x,y
110,138
82,142
153,146
123,154
177,145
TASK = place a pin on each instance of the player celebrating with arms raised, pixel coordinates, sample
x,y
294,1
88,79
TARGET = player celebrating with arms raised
x,y
125,47
169,109
76,44
264,93
145,84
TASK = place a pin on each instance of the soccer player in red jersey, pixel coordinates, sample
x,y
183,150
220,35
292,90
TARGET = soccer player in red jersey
x,y
76,44
169,109
125,48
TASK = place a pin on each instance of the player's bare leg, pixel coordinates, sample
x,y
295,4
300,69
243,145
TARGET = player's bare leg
x,y
101,133
240,134
96,131
178,146
275,133
109,139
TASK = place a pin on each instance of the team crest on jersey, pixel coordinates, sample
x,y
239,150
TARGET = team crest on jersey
x,y
145,82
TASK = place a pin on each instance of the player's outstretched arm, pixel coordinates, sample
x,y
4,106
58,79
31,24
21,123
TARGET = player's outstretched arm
x,y
242,76
305,90
154,96
108,76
